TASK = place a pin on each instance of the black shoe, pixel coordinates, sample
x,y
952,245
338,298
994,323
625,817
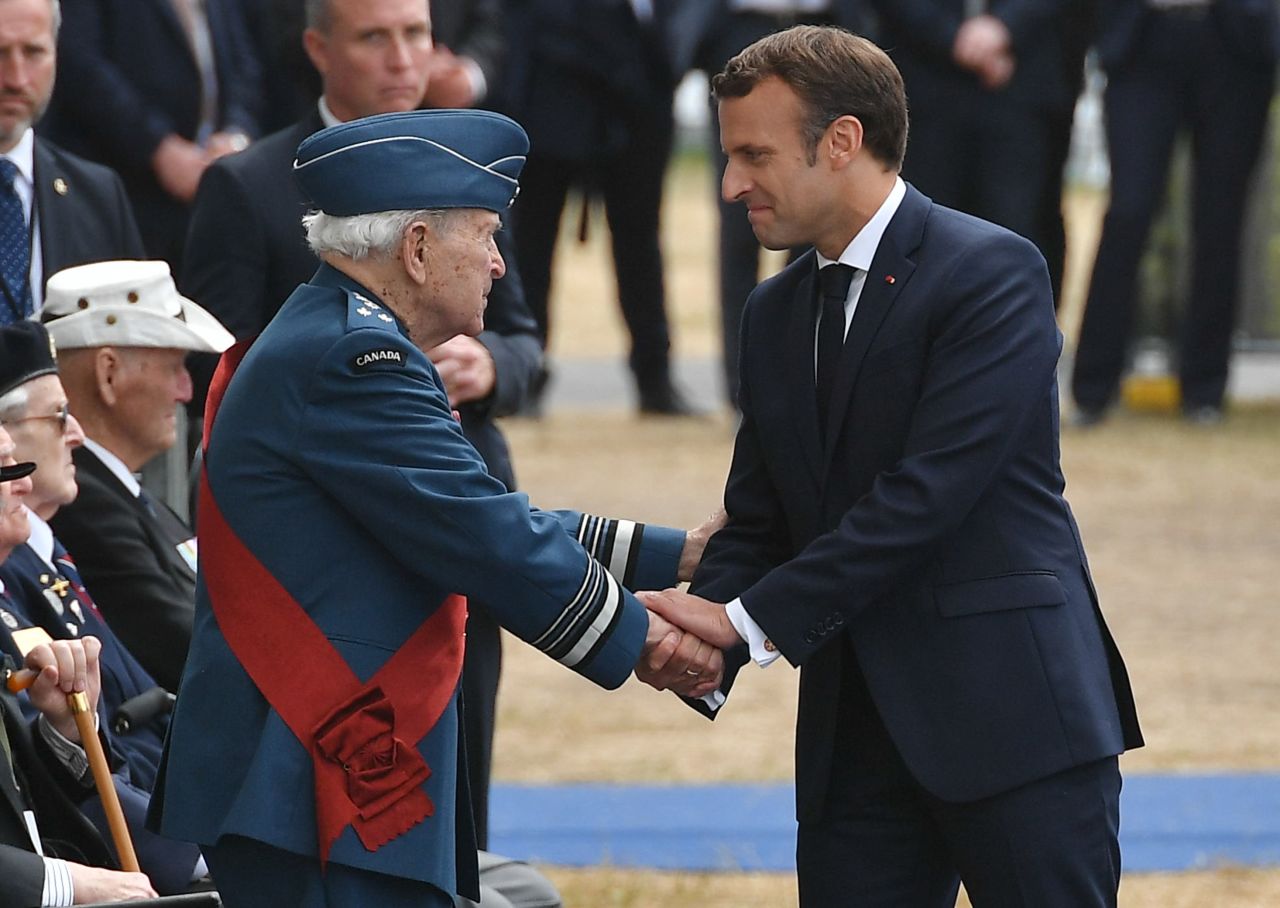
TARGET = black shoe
x,y
666,401
1203,415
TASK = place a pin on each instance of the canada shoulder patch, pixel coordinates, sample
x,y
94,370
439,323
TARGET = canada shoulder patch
x,y
378,358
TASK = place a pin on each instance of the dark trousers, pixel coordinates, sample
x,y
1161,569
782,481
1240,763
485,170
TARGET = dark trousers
x,y
250,874
1182,75
630,183
481,672
884,842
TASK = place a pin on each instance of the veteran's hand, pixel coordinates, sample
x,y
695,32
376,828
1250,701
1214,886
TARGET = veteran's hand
x,y
695,543
96,884
466,367
65,667
678,661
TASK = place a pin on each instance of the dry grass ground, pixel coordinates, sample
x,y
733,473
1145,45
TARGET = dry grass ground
x,y
1181,525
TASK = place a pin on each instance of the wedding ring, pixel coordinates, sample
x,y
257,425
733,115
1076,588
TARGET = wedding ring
x,y
689,672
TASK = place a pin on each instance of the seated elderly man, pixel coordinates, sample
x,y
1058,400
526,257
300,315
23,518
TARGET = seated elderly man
x,y
343,517
49,853
43,590
123,333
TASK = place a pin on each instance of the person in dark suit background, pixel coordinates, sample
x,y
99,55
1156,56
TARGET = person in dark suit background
x,y
155,89
706,33
247,253
897,526
73,211
1209,67
592,82
985,80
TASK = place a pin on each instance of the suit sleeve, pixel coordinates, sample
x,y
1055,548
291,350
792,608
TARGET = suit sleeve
x,y
483,39
989,372
240,71
23,873
127,236
398,463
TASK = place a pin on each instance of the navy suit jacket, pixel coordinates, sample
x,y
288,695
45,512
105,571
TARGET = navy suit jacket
x,y
931,532
84,213
1251,27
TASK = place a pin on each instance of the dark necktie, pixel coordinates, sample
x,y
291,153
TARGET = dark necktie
x,y
833,288
15,248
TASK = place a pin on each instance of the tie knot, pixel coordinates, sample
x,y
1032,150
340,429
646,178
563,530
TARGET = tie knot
x,y
834,281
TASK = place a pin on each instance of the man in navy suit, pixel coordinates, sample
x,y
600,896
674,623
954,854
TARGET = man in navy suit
x,y
897,526
74,211
1211,68
155,89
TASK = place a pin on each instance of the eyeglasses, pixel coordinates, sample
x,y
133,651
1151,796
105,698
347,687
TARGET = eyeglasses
x,y
61,416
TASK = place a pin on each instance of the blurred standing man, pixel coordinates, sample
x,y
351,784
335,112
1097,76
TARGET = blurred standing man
x,y
706,34
56,210
897,526
336,436
156,89
123,333
247,252
1211,67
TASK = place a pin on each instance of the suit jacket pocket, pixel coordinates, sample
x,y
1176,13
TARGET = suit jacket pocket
x,y
1028,589
908,352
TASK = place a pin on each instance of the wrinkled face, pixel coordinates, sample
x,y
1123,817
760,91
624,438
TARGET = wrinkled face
x,y
46,434
374,56
27,64
14,528
787,197
462,265
149,385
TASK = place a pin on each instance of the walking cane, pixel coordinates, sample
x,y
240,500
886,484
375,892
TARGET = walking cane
x,y
78,701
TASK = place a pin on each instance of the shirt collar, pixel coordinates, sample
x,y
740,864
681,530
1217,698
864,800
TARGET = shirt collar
x,y
862,248
115,465
41,538
326,115
23,155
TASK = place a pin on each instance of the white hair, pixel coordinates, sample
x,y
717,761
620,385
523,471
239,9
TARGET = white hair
x,y
361,236
13,403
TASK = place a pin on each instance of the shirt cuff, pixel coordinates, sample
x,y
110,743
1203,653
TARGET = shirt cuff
x,y
763,652
475,75
68,753
58,889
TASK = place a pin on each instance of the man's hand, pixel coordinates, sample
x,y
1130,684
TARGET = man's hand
x,y
178,165
984,46
695,615
94,884
65,667
466,367
695,542
224,143
678,661
449,83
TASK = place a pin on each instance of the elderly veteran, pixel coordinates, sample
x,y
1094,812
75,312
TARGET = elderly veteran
x,y
343,516
123,333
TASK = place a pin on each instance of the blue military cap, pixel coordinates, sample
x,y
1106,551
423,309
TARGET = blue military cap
x,y
419,159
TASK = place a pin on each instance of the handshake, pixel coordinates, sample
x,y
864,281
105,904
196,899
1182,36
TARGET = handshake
x,y
684,649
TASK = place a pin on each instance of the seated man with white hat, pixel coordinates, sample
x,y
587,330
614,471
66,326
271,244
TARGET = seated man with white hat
x,y
123,333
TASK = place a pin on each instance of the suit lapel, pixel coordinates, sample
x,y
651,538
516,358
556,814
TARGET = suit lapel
x,y
798,368
52,192
890,271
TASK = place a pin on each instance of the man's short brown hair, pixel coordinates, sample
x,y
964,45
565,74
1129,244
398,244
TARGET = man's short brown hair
x,y
836,74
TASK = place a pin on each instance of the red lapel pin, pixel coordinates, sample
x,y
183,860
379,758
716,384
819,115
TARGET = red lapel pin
x,y
889,278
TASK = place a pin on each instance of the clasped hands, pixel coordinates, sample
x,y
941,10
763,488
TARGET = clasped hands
x,y
684,649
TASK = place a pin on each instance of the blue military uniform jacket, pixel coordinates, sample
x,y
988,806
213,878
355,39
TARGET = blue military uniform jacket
x,y
336,460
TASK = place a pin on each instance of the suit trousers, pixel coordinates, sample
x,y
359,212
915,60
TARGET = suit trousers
x,y
884,842
630,183
1182,74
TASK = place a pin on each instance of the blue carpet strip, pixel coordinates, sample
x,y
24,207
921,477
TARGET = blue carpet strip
x,y
1167,822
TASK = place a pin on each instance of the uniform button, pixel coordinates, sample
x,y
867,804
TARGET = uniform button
x,y
768,646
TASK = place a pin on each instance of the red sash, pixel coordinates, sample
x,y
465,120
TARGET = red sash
x,y
362,737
